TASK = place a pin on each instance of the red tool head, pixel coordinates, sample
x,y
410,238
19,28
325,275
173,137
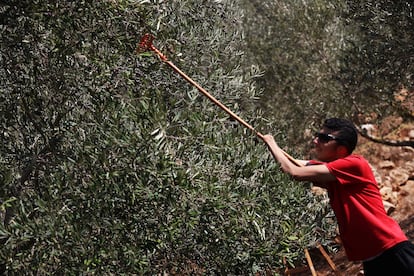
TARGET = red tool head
x,y
145,44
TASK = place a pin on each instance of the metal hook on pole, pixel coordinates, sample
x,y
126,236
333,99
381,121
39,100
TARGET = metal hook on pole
x,y
146,44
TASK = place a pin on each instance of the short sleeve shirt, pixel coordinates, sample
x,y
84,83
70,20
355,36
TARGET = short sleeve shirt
x,y
365,228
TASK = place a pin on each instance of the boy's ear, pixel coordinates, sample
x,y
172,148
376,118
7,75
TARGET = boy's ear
x,y
342,150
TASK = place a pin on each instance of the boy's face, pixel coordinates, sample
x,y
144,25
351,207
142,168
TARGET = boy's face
x,y
325,145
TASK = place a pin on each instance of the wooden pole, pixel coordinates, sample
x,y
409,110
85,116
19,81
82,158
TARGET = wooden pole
x,y
308,258
146,43
329,260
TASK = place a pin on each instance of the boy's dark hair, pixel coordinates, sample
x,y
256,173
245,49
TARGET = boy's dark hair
x,y
347,133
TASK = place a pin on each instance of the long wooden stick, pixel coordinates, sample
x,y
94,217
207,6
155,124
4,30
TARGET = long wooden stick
x,y
328,259
310,263
146,43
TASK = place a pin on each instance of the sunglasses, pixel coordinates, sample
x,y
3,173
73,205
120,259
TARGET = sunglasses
x,y
324,137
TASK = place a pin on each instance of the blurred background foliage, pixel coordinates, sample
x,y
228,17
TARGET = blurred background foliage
x,y
330,58
110,163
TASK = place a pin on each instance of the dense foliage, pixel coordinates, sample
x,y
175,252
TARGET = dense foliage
x,y
331,58
379,59
297,43
110,163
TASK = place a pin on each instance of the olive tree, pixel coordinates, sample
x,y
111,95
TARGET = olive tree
x,y
113,164
330,58
378,62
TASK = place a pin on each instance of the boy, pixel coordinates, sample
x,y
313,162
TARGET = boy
x,y
368,234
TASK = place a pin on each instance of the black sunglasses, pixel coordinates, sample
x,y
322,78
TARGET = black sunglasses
x,y
324,137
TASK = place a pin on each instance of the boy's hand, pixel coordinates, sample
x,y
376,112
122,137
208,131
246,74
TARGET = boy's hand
x,y
269,139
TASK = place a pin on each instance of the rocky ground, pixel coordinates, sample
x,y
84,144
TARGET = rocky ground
x,y
394,169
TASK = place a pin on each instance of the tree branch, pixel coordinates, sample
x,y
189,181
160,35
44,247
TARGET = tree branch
x,y
363,133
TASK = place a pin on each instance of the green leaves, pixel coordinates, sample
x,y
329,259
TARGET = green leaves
x,y
376,66
113,164
329,59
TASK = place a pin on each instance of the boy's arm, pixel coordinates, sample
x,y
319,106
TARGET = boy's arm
x,y
318,174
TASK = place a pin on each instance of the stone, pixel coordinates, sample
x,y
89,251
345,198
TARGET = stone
x,y
411,134
400,176
389,195
387,164
389,207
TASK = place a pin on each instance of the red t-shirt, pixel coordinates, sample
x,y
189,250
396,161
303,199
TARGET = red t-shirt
x,y
365,228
